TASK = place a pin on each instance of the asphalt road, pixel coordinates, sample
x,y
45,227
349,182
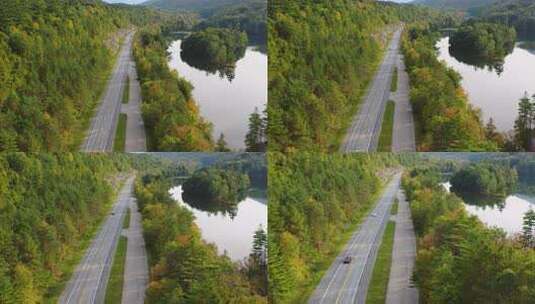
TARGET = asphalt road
x,y
400,289
363,135
101,134
88,282
135,129
348,283
136,270
403,138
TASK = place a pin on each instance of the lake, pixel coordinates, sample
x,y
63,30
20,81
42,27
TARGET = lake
x,y
231,235
497,95
509,218
227,104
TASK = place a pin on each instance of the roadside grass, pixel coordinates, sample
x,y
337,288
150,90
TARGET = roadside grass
x,y
381,270
120,134
385,139
394,83
126,222
394,209
126,91
114,290
318,269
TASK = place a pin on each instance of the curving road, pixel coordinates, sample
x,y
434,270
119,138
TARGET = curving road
x,y
88,282
348,283
363,134
101,134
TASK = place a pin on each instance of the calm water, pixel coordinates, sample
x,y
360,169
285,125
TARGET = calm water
x,y
496,95
227,104
235,236
509,218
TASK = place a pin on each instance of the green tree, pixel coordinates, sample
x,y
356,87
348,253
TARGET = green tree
x,y
255,138
221,144
528,229
524,123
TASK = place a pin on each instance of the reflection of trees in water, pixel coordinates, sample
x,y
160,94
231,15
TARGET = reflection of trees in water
x,y
479,61
205,204
209,65
484,201
528,46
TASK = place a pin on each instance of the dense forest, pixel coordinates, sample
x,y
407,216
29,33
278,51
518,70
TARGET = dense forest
x,y
486,178
252,164
50,205
315,201
170,114
54,60
455,4
204,7
460,260
321,59
445,119
185,269
214,49
482,41
248,16
217,186
519,14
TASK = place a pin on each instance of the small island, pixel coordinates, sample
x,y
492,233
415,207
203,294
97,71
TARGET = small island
x,y
484,180
215,50
216,190
482,44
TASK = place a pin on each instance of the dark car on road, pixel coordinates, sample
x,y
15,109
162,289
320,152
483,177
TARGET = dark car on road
x,y
347,260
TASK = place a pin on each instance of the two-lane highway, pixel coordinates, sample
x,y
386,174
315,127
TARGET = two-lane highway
x,y
89,281
363,135
348,283
101,134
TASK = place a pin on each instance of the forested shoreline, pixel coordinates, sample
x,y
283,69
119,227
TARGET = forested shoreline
x,y
50,205
459,259
171,116
488,41
487,179
184,268
445,120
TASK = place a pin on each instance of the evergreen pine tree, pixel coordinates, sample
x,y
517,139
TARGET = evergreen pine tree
x,y
524,123
254,140
221,145
528,229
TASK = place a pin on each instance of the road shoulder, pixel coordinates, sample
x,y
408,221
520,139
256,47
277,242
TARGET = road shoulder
x,y
403,137
400,289
136,273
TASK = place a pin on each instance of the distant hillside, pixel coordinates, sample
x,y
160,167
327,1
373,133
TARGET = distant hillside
x,y
455,4
517,13
204,7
